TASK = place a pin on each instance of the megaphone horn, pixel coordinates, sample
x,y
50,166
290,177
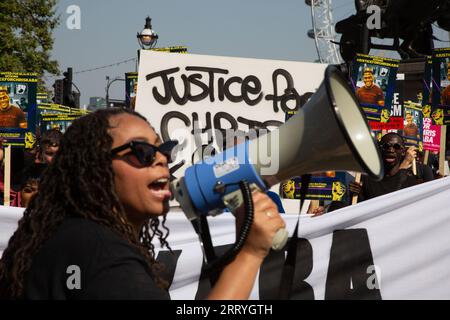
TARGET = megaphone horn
x,y
329,133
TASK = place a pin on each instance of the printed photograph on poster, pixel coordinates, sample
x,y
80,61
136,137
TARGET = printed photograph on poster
x,y
413,125
373,80
17,107
440,111
131,81
396,114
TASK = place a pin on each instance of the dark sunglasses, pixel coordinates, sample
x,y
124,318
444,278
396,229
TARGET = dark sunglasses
x,y
143,154
387,146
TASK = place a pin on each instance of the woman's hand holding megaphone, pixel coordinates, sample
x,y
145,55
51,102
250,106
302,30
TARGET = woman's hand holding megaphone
x,y
268,228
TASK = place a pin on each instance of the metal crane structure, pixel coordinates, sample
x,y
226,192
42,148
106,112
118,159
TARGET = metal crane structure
x,y
323,31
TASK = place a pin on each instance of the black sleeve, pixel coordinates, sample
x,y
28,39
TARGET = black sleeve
x,y
427,173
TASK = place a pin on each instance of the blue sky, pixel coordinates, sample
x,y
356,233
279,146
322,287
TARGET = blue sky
x,y
241,28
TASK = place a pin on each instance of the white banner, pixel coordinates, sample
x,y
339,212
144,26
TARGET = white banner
x,y
183,93
392,247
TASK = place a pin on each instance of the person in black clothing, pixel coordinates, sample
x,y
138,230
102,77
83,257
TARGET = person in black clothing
x,y
397,162
88,232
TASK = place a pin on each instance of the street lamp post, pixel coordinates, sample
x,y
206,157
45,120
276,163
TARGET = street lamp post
x,y
147,38
108,84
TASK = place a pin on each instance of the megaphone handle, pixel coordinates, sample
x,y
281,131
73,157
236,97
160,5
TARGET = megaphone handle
x,y
231,253
280,239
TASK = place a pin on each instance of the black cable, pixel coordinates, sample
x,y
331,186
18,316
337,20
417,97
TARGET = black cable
x,y
212,268
287,275
76,87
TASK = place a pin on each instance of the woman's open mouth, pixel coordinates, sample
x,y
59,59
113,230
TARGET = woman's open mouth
x,y
160,188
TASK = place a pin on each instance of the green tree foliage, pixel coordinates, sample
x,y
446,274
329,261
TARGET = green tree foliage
x,y
26,41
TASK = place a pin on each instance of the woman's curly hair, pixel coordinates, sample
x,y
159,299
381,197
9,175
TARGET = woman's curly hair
x,y
79,182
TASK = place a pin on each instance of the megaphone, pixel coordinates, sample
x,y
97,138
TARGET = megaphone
x,y
330,132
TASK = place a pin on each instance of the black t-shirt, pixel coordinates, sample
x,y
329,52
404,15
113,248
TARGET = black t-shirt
x,y
404,178
95,257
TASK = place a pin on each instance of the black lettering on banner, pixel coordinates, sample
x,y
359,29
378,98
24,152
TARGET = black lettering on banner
x,y
197,131
226,89
292,95
272,123
289,93
169,261
187,90
165,132
204,285
304,98
194,79
202,149
350,258
248,88
252,124
162,99
211,72
220,93
272,268
218,125
250,85
256,125
165,123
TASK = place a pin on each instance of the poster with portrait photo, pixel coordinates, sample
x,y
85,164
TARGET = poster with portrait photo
x,y
440,109
396,113
373,79
413,125
131,80
18,108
